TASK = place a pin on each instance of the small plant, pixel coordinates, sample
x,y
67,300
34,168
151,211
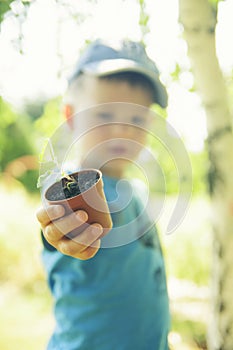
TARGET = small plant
x,y
70,186
67,189
82,190
74,185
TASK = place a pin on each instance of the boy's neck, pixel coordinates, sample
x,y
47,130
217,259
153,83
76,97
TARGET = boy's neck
x,y
112,172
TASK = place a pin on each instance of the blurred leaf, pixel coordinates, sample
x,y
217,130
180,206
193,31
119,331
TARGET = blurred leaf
x,y
143,21
215,2
4,8
51,118
17,139
34,109
176,72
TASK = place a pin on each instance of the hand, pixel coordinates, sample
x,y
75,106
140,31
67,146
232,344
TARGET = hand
x,y
56,227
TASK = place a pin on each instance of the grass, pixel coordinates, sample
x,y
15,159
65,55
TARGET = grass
x,y
26,306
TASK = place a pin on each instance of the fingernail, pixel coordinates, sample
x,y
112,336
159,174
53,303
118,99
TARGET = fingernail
x,y
97,229
82,215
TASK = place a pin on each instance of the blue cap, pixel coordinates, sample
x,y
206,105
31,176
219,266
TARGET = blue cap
x,y
103,58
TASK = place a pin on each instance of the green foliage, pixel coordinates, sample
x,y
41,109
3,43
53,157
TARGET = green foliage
x,y
17,140
188,249
34,109
8,117
143,20
4,8
199,162
175,75
17,143
215,2
19,135
51,118
193,332
18,9
167,177
14,130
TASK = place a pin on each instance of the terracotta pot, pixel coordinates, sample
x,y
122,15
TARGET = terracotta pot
x,y
92,200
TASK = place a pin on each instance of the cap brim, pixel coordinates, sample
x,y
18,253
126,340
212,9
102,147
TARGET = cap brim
x,y
107,67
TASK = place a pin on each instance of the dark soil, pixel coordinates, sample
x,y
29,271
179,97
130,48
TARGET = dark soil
x,y
71,186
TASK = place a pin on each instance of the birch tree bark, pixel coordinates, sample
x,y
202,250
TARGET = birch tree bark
x,y
199,18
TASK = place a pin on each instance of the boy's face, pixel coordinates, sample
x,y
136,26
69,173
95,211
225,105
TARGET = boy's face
x,y
112,132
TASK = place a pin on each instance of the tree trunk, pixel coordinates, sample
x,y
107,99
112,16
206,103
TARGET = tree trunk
x,y
198,19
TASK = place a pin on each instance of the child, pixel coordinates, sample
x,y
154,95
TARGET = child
x,y
109,293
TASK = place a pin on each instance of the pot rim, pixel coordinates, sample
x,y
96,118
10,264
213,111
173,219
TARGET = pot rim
x,y
80,194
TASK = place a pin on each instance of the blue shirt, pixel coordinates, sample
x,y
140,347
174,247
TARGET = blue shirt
x,y
118,299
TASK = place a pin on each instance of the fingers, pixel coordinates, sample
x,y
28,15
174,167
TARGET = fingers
x,y
90,252
85,245
88,236
56,230
52,212
70,234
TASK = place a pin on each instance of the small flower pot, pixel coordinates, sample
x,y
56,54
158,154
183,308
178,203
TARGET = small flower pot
x,y
82,190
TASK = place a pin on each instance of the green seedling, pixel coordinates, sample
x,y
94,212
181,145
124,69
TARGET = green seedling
x,y
70,186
